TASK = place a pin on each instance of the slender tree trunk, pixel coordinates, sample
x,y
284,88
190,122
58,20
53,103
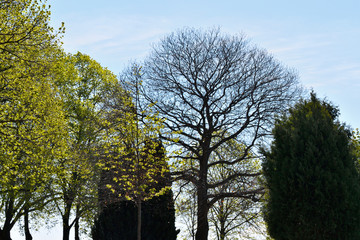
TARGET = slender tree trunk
x,y
26,225
137,75
77,225
222,220
77,230
139,219
222,233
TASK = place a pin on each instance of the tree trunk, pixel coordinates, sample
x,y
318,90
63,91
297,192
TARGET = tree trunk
x,y
66,231
26,225
5,231
139,219
222,220
66,226
5,234
77,230
202,213
202,218
222,233
77,225
69,200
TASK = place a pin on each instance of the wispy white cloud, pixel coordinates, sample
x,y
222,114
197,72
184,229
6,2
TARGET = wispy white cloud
x,y
115,39
124,30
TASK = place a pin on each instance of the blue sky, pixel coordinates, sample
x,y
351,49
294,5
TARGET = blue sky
x,y
318,38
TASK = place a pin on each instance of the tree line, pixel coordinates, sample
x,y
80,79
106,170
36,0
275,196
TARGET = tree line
x,y
190,124
65,121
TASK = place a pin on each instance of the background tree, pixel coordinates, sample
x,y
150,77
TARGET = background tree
x,y
32,125
233,217
313,184
129,148
211,88
185,205
229,218
355,140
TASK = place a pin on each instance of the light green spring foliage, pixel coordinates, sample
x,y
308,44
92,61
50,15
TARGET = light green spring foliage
x,y
32,134
57,118
33,129
132,151
84,85
355,140
26,39
138,167
83,89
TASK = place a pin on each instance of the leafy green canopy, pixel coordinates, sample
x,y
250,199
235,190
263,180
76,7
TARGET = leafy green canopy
x,y
33,129
26,39
130,147
84,86
32,125
313,184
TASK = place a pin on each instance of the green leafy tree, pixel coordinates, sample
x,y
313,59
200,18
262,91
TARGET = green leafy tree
x,y
32,125
128,149
84,87
312,181
356,147
26,39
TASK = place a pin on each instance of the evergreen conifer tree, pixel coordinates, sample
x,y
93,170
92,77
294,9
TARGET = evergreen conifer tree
x,y
312,181
117,219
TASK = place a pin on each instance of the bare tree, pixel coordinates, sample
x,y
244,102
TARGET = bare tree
x,y
231,216
211,89
186,209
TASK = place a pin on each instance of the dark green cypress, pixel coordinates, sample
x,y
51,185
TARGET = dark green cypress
x,y
313,186
117,218
118,221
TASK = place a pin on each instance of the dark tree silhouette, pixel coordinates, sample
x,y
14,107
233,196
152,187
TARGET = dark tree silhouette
x,y
118,221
